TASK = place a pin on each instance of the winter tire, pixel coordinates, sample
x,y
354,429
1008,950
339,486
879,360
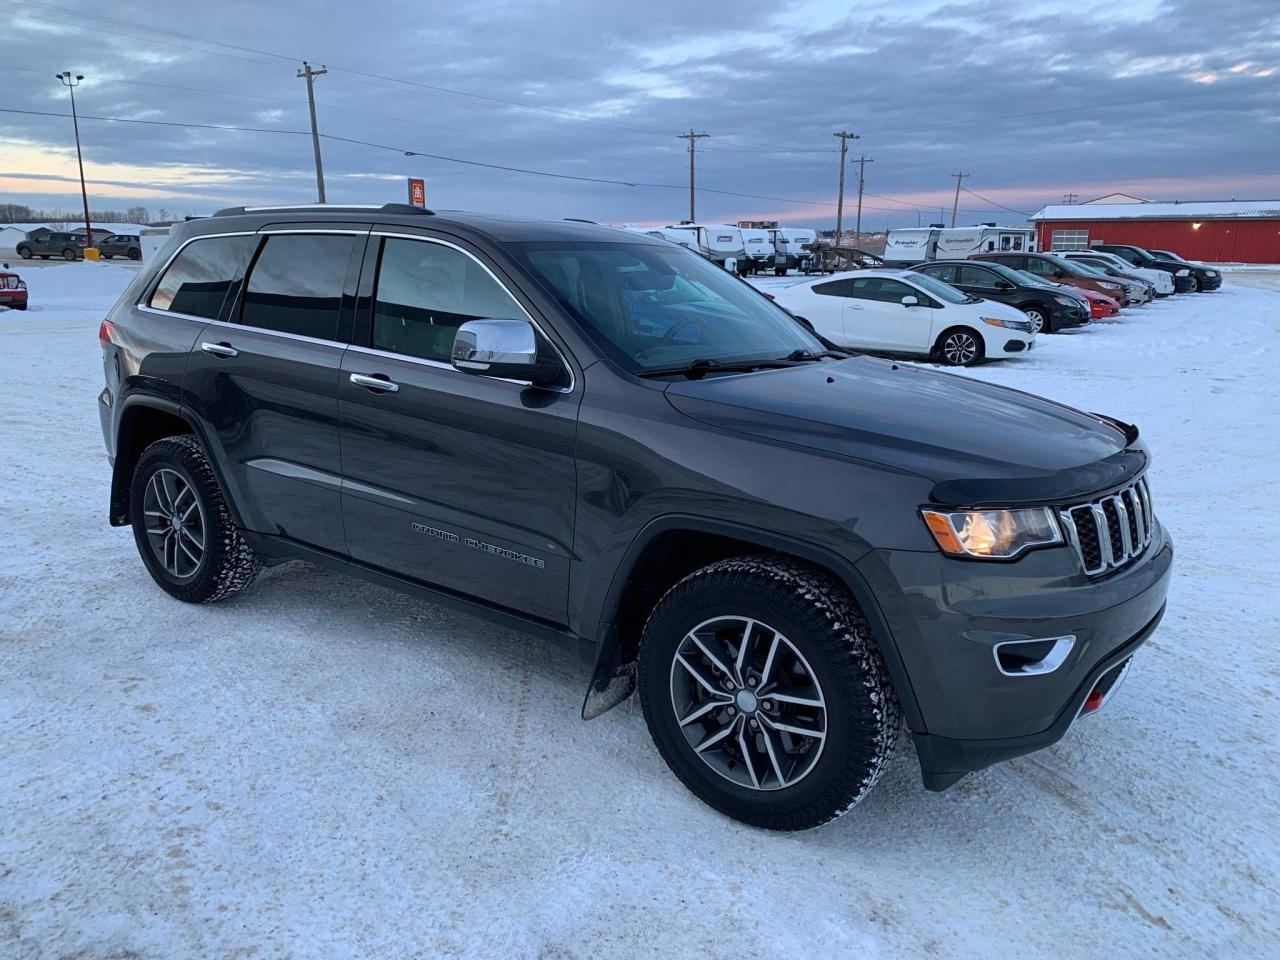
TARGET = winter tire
x,y
960,347
1040,322
24,253
182,526
764,692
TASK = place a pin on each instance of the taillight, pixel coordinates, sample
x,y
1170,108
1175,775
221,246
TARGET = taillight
x,y
106,334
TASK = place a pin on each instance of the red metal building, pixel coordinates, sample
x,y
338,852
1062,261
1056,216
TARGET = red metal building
x,y
1235,231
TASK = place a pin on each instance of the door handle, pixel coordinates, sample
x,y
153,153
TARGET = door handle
x,y
375,382
220,349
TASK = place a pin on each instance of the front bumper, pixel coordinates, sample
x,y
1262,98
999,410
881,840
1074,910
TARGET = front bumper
x,y
1063,316
1211,283
949,615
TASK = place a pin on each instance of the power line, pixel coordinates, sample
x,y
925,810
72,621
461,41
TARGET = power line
x,y
995,204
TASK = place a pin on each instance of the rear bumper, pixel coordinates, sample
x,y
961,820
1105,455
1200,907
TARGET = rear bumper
x,y
13,298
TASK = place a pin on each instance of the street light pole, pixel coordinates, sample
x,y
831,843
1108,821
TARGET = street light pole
x,y
71,81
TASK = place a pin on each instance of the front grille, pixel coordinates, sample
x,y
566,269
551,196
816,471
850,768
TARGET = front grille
x,y
1110,532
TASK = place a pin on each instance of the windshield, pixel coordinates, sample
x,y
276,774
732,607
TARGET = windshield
x,y
1031,280
1091,269
651,307
943,291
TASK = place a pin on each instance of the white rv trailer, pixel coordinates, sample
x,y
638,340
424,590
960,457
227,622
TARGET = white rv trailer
x,y
718,242
792,249
681,237
759,248
917,244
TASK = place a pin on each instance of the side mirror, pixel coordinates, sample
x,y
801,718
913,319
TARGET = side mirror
x,y
910,301
505,349
1059,274
1004,285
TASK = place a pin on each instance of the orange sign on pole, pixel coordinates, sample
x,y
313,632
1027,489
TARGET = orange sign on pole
x,y
417,192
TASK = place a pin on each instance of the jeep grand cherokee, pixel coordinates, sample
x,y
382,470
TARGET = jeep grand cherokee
x,y
608,441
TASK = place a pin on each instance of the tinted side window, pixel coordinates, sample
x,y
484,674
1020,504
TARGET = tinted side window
x,y
976,277
944,272
295,285
197,279
425,292
1041,268
883,289
834,288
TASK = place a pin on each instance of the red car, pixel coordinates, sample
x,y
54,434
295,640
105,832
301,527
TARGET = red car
x,y
13,292
1100,305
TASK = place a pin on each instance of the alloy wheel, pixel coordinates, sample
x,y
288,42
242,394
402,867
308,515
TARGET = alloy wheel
x,y
175,523
1036,318
748,703
960,348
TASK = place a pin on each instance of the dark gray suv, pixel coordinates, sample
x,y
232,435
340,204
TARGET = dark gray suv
x,y
607,441
68,246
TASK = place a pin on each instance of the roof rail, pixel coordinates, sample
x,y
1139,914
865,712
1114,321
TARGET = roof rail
x,y
329,207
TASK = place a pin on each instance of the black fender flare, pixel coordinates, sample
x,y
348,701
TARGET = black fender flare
x,y
119,468
612,680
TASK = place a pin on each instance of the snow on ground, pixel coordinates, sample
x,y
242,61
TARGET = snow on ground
x,y
321,768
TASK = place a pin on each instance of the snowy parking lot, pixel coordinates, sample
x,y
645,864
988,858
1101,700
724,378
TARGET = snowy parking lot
x,y
321,768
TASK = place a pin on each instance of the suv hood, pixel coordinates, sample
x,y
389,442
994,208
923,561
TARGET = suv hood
x,y
977,442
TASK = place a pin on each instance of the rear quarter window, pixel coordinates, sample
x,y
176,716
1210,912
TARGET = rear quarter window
x,y
196,281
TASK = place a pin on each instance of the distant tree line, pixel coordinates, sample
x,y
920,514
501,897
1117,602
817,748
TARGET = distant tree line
x,y
21,213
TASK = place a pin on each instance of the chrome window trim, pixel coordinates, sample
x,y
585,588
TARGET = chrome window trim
x,y
573,378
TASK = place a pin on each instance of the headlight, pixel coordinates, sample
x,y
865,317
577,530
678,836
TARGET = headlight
x,y
1023,325
1066,301
1211,273
1109,286
1183,273
992,534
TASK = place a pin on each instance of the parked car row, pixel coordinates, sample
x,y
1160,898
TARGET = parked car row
x,y
45,243
988,305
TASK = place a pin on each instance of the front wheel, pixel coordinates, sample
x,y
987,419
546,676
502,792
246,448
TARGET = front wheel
x,y
68,254
182,526
24,253
960,347
135,254
765,694
1039,319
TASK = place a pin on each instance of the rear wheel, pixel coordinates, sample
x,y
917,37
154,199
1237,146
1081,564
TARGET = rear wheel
x,y
1039,318
765,694
181,524
960,347
135,253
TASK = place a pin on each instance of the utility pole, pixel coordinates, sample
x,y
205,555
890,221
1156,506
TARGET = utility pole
x,y
862,165
693,138
71,81
310,76
955,206
1070,198
845,136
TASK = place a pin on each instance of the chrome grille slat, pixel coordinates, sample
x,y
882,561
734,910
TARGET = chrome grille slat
x,y
1112,531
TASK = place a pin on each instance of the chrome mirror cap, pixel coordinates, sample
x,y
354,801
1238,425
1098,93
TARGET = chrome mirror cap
x,y
507,349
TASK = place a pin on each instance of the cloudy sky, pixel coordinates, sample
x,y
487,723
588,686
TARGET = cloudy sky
x,y
1177,99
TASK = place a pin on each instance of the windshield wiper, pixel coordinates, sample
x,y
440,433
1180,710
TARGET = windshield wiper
x,y
701,367
803,355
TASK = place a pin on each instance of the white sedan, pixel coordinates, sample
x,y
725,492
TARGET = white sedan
x,y
899,311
